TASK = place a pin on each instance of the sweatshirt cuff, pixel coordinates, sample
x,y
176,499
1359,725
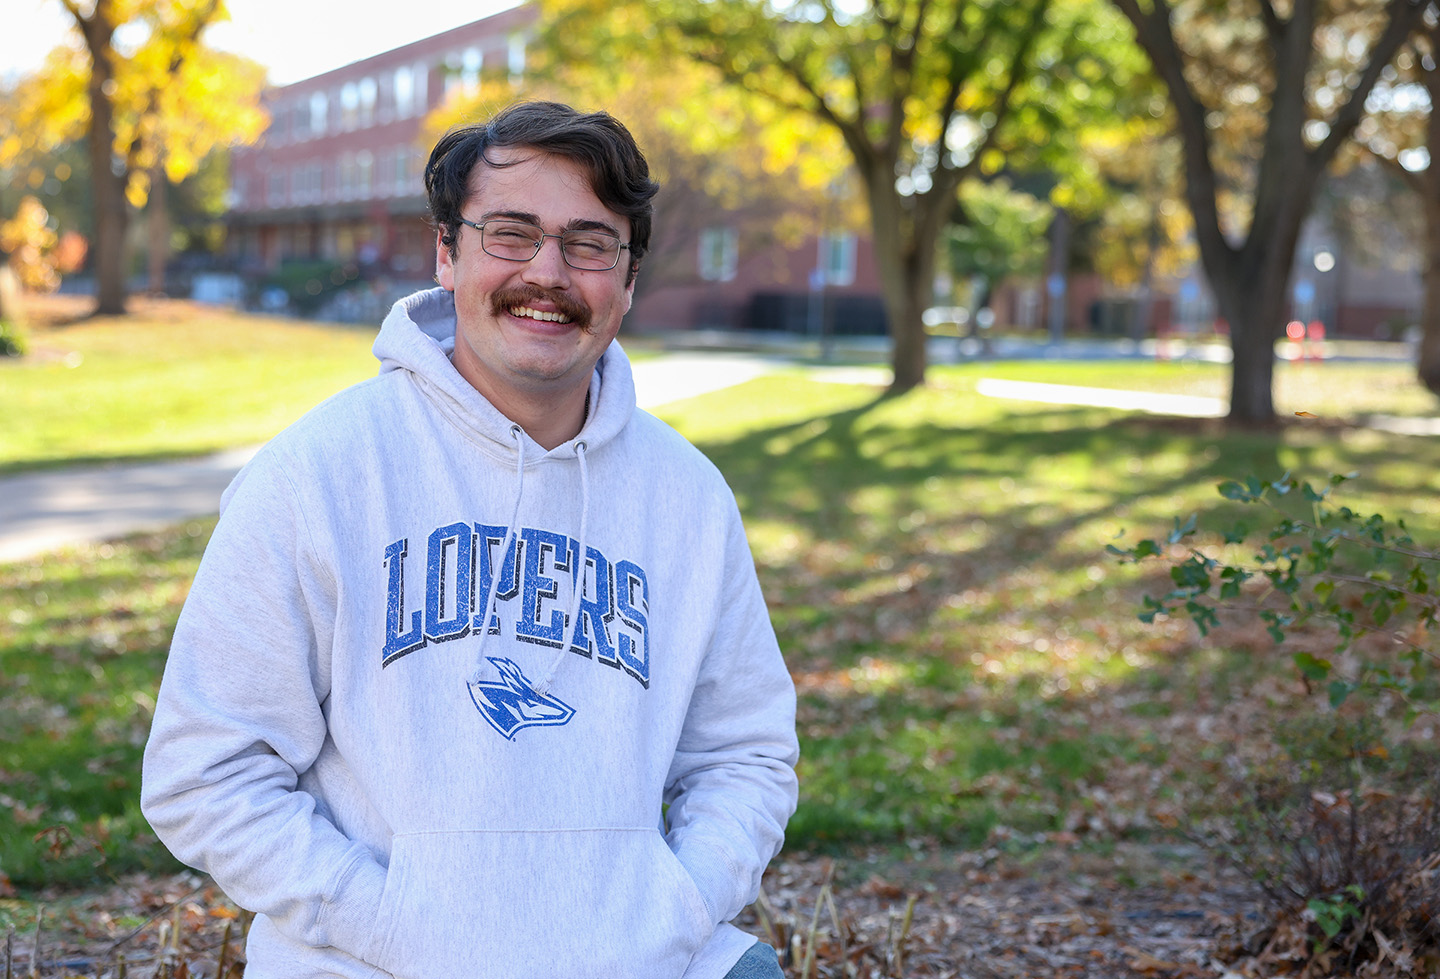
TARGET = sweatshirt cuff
x,y
347,920
714,877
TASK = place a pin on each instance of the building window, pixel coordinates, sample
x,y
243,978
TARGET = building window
x,y
420,75
719,254
452,70
516,56
470,64
305,184
349,106
403,172
404,88
364,174
837,259
369,92
319,109
347,176
275,189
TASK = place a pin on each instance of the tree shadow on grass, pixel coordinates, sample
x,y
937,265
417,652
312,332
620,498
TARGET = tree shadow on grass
x,y
965,651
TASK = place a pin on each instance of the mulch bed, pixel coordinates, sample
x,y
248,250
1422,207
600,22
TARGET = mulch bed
x,y
1061,911
1056,909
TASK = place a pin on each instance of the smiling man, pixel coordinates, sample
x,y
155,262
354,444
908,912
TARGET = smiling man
x,y
475,678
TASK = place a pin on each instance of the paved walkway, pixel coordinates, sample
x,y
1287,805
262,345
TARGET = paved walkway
x,y
45,510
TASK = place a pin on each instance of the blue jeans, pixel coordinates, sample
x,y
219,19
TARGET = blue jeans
x,y
759,962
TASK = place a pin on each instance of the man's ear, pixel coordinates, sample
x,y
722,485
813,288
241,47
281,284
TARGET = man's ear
x,y
444,263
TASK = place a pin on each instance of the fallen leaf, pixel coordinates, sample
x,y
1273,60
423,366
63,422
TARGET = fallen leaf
x,y
878,886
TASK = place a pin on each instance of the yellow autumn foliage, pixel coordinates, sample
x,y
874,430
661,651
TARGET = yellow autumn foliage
x,y
160,115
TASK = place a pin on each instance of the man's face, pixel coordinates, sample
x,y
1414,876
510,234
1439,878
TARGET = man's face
x,y
532,331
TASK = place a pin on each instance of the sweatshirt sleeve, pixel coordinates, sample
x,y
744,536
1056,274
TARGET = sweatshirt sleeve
x,y
732,784
239,716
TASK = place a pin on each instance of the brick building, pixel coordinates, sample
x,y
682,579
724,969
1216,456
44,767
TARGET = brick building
x,y
338,175
337,181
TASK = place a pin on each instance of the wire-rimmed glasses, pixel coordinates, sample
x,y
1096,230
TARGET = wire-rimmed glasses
x,y
519,241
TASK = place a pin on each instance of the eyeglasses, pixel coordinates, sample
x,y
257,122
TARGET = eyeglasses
x,y
517,241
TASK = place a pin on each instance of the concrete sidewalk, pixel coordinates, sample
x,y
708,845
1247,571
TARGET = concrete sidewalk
x,y
41,511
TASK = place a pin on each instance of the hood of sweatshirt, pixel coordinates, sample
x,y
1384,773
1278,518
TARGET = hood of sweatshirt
x,y
418,336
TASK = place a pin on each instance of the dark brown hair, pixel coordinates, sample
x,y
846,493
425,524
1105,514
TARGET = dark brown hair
x,y
619,175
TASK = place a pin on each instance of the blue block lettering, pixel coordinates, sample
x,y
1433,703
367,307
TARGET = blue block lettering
x,y
591,635
545,553
630,578
397,644
449,582
490,539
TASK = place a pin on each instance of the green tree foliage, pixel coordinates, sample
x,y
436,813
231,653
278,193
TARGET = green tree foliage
x,y
149,108
1143,231
921,94
1264,97
701,144
999,232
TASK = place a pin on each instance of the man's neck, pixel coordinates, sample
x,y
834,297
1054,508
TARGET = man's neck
x,y
550,420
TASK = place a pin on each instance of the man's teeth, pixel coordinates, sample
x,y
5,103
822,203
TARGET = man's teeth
x,y
536,314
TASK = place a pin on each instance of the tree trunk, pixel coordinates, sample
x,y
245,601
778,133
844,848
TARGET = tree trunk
x,y
1427,366
906,267
111,215
1055,276
1254,321
158,230
905,279
907,328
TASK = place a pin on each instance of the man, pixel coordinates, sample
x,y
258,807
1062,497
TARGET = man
x,y
475,678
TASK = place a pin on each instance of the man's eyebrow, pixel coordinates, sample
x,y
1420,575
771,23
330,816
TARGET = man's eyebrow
x,y
579,224
525,216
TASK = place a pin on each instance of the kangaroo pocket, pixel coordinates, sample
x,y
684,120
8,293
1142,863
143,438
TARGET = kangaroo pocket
x,y
612,904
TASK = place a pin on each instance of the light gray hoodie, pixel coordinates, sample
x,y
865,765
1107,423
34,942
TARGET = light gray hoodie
x,y
412,757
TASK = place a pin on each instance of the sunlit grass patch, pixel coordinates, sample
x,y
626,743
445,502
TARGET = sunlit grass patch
x,y
181,379
83,637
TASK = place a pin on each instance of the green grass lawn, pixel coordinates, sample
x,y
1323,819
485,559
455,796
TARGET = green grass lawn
x,y
176,379
968,659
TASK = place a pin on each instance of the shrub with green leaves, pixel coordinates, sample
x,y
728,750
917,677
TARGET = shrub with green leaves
x,y
1318,565
1339,825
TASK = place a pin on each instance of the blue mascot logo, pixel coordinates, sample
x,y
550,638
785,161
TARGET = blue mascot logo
x,y
513,703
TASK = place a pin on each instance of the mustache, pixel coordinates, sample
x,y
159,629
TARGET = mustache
x,y
573,309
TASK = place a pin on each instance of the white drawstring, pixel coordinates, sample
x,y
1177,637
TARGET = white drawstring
x,y
572,623
499,562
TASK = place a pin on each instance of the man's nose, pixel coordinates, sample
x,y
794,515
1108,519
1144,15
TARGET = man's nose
x,y
548,266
